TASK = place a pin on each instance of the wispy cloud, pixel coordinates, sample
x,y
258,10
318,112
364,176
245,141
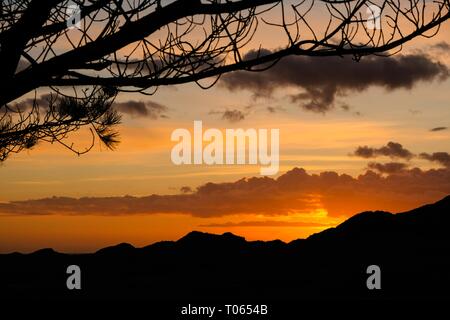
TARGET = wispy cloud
x,y
149,109
438,129
231,115
441,46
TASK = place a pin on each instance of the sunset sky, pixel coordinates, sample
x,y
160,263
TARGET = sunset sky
x,y
354,136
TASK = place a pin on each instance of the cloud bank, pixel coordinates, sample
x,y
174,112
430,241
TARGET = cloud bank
x,y
294,192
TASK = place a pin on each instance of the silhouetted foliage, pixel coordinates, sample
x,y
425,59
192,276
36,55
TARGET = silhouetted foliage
x,y
53,118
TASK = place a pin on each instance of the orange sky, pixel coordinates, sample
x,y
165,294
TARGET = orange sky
x,y
141,166
283,207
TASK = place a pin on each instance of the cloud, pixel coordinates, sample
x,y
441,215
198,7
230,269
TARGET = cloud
x,y
395,150
389,168
438,129
294,192
345,107
25,105
414,112
274,109
442,158
322,80
186,189
441,46
133,108
392,150
149,109
233,115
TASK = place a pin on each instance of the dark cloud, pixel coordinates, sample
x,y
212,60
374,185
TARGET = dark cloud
x,y
345,107
389,168
392,150
397,151
294,192
320,99
186,189
323,79
25,105
438,129
441,46
150,109
442,158
274,109
231,115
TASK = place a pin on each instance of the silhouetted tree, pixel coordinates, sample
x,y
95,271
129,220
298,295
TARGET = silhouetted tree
x,y
84,52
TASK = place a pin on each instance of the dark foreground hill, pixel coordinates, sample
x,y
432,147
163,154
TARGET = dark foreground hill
x,y
412,250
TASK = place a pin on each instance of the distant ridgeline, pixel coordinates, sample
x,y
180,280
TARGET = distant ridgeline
x,y
411,250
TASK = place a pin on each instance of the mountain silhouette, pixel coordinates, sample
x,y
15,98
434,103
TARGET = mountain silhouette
x,y
411,249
